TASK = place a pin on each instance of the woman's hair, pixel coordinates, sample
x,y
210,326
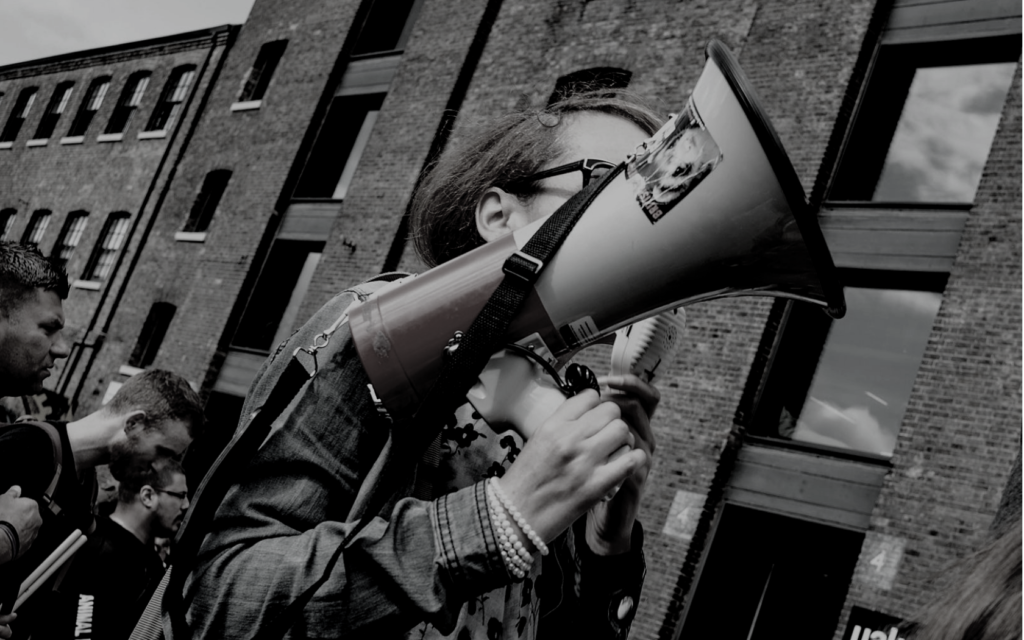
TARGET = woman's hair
x,y
497,155
982,599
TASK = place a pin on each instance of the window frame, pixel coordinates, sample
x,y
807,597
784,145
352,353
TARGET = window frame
x,y
128,103
7,216
75,238
152,335
362,47
261,73
19,113
91,273
204,207
173,96
36,228
91,103
55,107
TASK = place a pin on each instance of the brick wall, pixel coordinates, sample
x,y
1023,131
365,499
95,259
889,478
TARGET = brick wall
x,y
961,436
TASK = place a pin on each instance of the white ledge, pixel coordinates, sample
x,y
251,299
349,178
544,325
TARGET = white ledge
x,y
72,140
150,135
6,145
190,236
38,142
247,105
91,285
129,371
110,137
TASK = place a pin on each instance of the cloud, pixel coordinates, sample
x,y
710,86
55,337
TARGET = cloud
x,y
852,427
53,27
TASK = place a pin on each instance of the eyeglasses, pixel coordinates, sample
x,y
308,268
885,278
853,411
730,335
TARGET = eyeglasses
x,y
590,168
180,495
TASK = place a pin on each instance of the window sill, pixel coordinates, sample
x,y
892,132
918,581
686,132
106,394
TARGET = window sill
x,y
110,137
128,370
246,105
152,135
190,236
72,140
38,142
6,145
88,285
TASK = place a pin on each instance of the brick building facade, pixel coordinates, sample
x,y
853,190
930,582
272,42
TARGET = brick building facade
x,y
288,174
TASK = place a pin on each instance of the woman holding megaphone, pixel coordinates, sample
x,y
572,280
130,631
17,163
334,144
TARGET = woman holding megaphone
x,y
491,536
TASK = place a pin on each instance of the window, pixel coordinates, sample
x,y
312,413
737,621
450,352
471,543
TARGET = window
x,y
70,236
54,108
36,228
590,80
387,26
206,202
926,122
18,114
845,384
171,99
103,256
339,145
90,105
280,289
128,102
6,223
152,336
262,70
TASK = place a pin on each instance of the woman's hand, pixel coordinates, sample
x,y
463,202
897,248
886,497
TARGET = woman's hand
x,y
610,522
572,461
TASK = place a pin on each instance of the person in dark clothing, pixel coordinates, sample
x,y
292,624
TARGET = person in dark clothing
x,y
116,571
156,413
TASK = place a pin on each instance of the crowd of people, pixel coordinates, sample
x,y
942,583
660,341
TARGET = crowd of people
x,y
506,539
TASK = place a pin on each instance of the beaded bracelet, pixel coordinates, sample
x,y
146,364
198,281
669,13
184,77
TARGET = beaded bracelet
x,y
12,535
515,544
515,564
526,528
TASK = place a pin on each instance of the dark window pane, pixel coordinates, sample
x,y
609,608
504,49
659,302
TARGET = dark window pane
x,y
105,254
279,290
128,102
152,335
18,114
335,142
54,108
207,201
6,223
36,228
171,99
69,238
90,105
384,26
263,70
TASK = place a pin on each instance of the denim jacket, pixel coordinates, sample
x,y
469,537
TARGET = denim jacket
x,y
419,561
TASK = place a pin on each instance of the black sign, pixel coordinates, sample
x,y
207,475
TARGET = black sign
x,y
865,624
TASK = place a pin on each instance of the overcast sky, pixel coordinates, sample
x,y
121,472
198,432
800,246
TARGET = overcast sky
x,y
40,28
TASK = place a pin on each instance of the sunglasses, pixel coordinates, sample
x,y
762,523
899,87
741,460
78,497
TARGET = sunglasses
x,y
590,168
180,495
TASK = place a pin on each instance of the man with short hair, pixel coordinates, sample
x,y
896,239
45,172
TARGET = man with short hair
x,y
114,574
32,287
154,414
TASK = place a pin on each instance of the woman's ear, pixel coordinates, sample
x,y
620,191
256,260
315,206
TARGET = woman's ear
x,y
498,213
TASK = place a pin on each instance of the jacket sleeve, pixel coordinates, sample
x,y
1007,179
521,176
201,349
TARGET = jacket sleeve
x,y
278,526
590,596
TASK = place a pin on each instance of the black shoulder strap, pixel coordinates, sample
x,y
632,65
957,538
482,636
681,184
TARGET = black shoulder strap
x,y
458,374
58,464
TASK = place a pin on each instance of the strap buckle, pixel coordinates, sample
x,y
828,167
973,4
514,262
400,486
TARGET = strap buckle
x,y
523,266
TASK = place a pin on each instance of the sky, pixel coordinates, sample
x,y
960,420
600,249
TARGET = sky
x,y
41,28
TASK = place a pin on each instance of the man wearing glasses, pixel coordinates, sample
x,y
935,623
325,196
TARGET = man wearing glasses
x,y
154,414
116,572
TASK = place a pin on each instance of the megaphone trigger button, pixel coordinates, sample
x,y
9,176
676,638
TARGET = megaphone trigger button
x,y
579,378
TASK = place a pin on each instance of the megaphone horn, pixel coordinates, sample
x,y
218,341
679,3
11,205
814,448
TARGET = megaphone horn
x,y
709,207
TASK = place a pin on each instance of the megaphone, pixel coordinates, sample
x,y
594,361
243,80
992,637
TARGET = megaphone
x,y
709,207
